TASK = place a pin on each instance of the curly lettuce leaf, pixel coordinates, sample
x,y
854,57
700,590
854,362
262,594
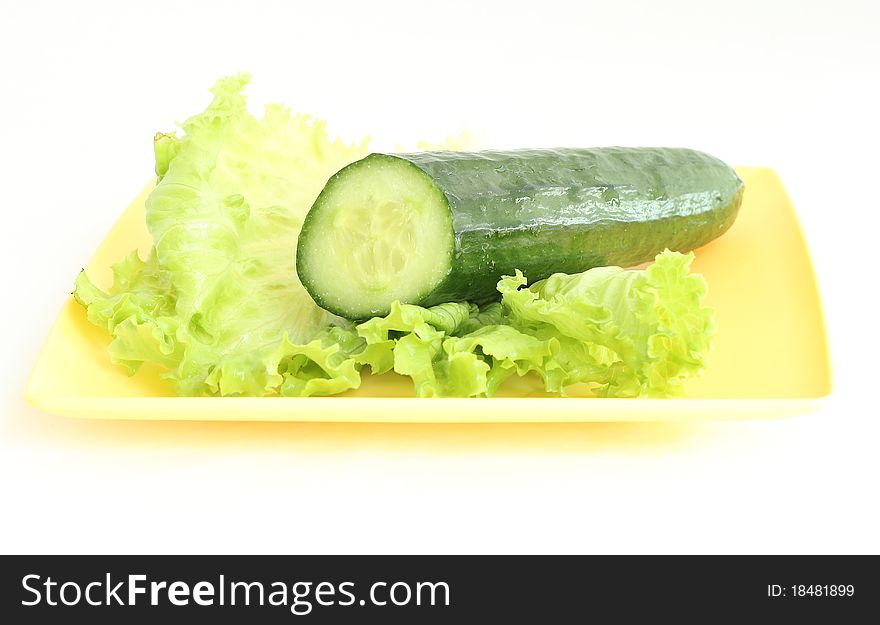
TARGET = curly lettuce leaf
x,y
409,341
504,349
626,333
219,295
631,333
446,351
138,312
321,367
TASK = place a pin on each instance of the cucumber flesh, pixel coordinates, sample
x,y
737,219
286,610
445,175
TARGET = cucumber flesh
x,y
380,231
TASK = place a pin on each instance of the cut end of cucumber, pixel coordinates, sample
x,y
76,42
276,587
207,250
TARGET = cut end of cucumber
x,y
380,231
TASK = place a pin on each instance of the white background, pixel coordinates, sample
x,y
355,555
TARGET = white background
x,y
789,85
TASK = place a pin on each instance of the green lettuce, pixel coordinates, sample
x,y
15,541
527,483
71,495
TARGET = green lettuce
x,y
218,302
409,340
624,333
138,312
629,333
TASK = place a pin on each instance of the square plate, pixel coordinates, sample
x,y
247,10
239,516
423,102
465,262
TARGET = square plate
x,y
769,359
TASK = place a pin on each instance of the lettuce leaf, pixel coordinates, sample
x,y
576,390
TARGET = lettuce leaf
x,y
409,340
505,351
219,295
631,333
138,312
625,333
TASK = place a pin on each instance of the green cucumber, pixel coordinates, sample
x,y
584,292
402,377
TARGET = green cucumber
x,y
434,227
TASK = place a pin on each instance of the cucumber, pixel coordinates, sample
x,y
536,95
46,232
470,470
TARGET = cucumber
x,y
433,227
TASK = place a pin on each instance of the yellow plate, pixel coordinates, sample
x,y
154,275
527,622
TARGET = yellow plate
x,y
769,359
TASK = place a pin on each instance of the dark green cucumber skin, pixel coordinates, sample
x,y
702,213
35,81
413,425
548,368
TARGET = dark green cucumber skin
x,y
568,210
